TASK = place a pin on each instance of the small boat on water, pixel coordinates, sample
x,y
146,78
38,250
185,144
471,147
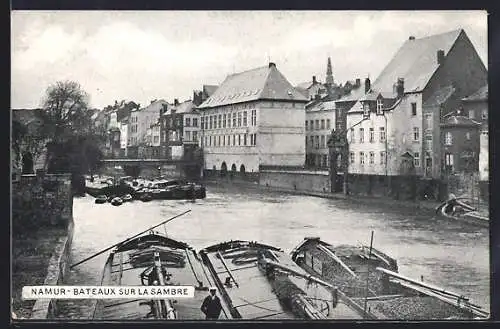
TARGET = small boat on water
x,y
101,199
154,259
370,280
127,197
455,209
116,201
261,282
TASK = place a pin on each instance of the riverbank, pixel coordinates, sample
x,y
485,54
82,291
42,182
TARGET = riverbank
x,y
31,255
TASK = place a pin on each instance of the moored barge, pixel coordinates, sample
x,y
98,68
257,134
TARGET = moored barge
x,y
370,279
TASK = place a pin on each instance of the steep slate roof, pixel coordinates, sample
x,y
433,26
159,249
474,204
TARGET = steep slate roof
x,y
480,95
209,90
440,96
416,62
459,120
354,95
184,107
155,106
260,83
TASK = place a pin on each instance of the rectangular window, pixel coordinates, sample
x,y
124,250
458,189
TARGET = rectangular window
x,y
218,141
245,139
239,140
351,157
254,117
484,115
234,140
311,125
467,136
322,123
322,144
352,136
382,157
311,141
362,158
372,135
471,114
254,139
224,121
428,142
210,141
245,119
380,104
188,122
448,138
211,122
220,121
416,159
234,119
372,157
448,161
307,125
413,109
317,124
416,134
327,123
316,138
195,136
428,121
382,134
361,135
366,109
239,119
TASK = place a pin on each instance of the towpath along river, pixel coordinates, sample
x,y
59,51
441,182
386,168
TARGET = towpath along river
x,y
452,255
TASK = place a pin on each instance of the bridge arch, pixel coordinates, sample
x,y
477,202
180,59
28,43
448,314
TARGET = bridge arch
x,y
223,169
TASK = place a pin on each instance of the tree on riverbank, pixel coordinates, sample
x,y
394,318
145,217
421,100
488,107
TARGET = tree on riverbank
x,y
73,141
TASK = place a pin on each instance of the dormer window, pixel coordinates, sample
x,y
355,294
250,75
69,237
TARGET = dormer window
x,y
380,104
366,109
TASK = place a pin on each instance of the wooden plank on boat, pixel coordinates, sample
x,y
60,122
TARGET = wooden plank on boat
x,y
337,259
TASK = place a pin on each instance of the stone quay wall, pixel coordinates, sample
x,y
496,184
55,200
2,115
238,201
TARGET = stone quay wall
x,y
46,200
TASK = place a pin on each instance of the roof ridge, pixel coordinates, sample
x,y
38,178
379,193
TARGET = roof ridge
x,y
439,34
246,71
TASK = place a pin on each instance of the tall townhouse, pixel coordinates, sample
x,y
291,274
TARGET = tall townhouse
x,y
396,130
180,128
145,118
320,120
124,136
475,106
254,120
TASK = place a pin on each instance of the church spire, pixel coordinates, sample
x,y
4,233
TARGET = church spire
x,y
329,74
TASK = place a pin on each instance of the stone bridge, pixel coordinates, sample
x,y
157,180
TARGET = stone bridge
x,y
150,168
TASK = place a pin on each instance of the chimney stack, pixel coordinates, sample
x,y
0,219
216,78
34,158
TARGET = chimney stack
x,y
358,83
411,37
271,64
176,102
314,79
367,85
400,87
440,56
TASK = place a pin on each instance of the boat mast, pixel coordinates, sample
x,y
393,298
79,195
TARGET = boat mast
x,y
368,272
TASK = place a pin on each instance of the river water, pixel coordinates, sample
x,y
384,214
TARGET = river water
x,y
452,255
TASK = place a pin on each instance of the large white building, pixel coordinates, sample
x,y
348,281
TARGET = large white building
x,y
254,119
394,127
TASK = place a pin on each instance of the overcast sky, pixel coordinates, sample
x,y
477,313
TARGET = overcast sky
x,y
148,55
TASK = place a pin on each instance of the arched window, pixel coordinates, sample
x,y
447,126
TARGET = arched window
x,y
242,169
223,169
233,167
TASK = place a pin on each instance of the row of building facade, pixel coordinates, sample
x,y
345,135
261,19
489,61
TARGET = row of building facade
x,y
426,114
